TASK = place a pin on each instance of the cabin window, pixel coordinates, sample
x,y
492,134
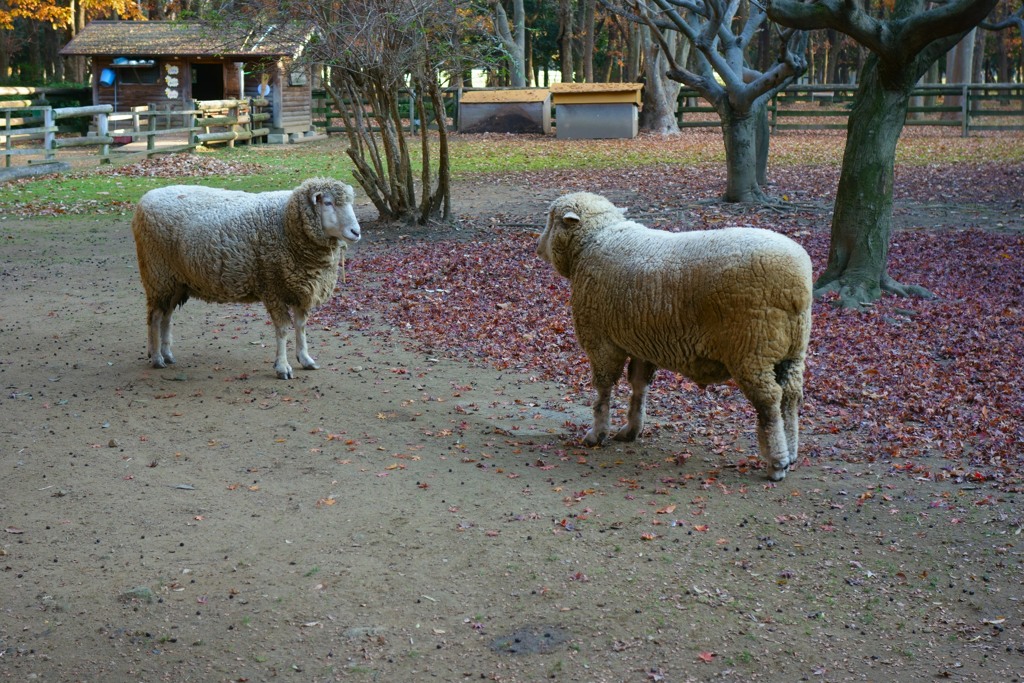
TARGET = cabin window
x,y
134,71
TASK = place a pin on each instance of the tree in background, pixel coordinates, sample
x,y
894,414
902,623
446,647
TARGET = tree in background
x,y
32,32
383,56
375,48
903,44
512,39
721,37
660,93
1006,48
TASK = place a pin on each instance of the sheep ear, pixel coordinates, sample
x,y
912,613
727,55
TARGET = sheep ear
x,y
570,217
317,197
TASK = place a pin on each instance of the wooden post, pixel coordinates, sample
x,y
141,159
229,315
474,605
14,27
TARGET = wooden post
x,y
192,137
151,132
48,135
102,130
8,143
965,110
233,113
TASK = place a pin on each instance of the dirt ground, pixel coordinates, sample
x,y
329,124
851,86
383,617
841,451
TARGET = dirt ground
x,y
400,517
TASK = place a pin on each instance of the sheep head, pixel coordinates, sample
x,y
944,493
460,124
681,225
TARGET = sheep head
x,y
331,202
571,219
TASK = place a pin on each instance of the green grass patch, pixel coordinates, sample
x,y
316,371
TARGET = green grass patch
x,y
258,168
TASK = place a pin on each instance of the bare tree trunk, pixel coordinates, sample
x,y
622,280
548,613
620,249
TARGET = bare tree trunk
x,y
565,38
835,44
659,94
862,221
978,60
1002,59
77,65
529,68
635,53
5,55
959,65
740,133
513,39
589,29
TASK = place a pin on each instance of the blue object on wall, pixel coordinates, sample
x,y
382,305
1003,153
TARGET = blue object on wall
x,y
107,77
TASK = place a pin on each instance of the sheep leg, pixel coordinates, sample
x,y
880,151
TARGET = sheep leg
x,y
166,338
605,372
640,374
301,347
158,347
766,395
279,315
792,398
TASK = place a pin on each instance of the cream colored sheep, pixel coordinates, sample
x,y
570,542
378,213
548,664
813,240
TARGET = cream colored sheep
x,y
711,305
224,246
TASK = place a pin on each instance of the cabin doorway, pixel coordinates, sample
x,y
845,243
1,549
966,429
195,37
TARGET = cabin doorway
x,y
207,81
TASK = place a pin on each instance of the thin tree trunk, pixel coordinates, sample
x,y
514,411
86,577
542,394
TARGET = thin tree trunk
x,y
958,70
659,94
442,198
589,8
565,38
634,53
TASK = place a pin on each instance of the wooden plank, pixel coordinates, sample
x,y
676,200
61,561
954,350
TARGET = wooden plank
x,y
68,112
86,141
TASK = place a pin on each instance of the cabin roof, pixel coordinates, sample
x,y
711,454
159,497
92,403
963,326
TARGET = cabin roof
x,y
503,96
184,38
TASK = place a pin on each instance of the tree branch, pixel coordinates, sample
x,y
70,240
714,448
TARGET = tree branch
x,y
945,19
845,16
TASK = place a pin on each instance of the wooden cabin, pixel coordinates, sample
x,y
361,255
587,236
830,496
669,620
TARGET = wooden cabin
x,y
168,64
505,110
588,111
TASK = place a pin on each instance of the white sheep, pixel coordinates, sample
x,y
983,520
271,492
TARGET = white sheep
x,y
225,246
711,305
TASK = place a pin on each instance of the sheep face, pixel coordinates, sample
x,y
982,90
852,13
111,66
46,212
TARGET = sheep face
x,y
570,219
336,214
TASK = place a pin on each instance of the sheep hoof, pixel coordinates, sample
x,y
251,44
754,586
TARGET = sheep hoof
x,y
592,439
776,473
285,372
626,434
158,362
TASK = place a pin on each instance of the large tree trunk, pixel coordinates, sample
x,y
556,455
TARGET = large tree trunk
x,y
862,221
740,132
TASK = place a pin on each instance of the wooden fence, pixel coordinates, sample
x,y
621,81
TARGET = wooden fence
x,y
970,108
328,118
38,133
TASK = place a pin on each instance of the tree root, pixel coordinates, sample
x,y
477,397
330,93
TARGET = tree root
x,y
858,295
908,291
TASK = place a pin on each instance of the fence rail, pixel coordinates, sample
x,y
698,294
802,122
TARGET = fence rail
x,y
35,130
969,107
